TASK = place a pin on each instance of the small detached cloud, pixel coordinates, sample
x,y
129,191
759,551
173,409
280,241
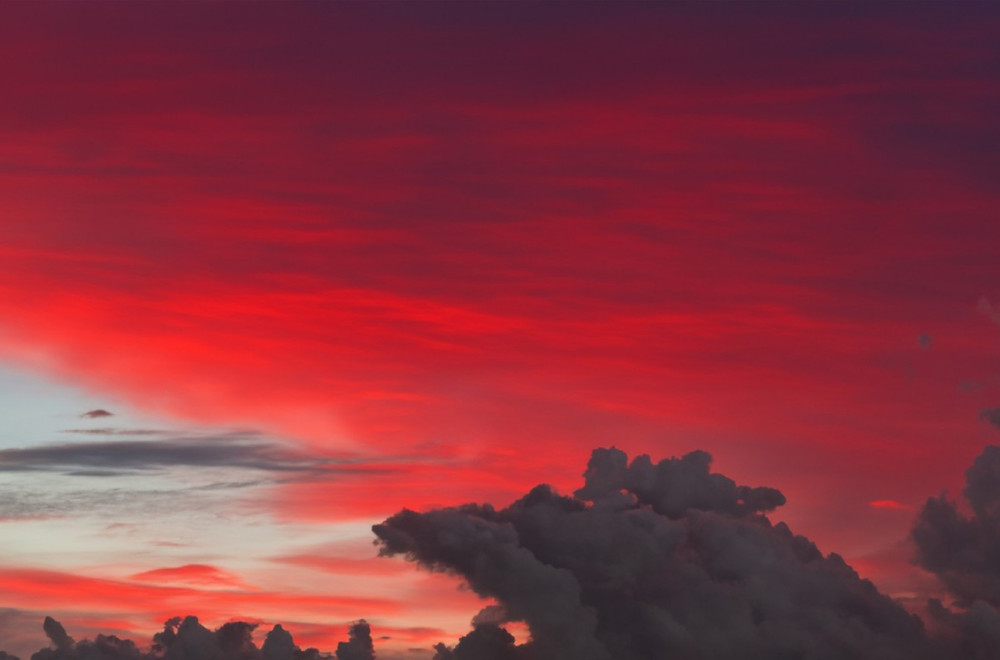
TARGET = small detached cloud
x,y
96,413
889,504
199,575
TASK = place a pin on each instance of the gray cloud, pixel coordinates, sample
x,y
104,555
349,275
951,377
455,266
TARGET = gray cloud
x,y
359,645
114,432
652,561
991,415
115,456
186,639
962,550
98,412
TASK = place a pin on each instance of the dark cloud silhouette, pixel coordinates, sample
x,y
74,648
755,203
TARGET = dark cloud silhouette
x,y
187,639
103,647
651,561
485,642
964,550
991,415
359,645
974,633
654,561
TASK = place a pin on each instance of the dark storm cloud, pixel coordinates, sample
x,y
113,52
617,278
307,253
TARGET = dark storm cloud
x,y
133,455
98,412
654,561
964,550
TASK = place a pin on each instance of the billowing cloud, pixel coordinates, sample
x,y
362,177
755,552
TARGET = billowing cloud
x,y
964,550
187,639
359,645
991,415
646,561
653,561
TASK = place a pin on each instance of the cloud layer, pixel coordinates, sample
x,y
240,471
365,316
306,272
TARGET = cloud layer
x,y
186,639
647,561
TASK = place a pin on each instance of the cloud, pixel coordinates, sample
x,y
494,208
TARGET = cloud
x,y
240,451
194,574
646,561
187,639
359,645
889,504
991,415
653,561
963,550
97,412
113,431
976,631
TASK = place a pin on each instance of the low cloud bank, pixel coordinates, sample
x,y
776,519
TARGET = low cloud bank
x,y
187,639
654,561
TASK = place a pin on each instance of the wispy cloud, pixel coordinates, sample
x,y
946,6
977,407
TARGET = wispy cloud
x,y
115,456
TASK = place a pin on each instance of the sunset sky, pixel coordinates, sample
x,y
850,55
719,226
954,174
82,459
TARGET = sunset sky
x,y
270,273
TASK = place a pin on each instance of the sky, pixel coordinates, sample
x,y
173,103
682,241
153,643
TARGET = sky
x,y
272,272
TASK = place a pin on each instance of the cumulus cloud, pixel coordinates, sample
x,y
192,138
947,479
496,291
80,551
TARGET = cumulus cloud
x,y
359,645
649,561
974,633
654,561
187,639
991,415
964,550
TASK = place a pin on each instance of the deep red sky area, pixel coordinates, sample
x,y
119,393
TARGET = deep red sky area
x,y
479,240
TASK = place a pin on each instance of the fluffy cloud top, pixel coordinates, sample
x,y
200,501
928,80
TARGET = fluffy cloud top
x,y
654,561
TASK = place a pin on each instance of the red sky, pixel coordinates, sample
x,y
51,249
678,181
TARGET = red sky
x,y
463,245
